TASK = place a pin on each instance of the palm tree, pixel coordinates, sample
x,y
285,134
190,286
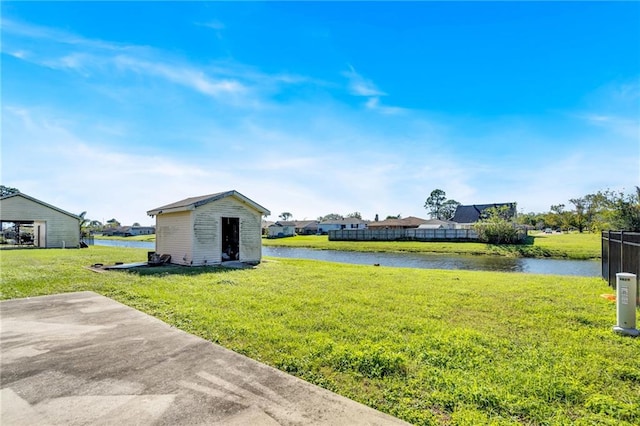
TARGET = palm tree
x,y
83,224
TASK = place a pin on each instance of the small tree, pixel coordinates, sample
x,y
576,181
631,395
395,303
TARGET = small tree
x,y
626,214
6,190
439,207
285,216
434,202
494,228
95,226
113,223
448,210
84,223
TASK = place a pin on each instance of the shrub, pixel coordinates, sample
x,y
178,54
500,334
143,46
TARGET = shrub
x,y
499,232
496,228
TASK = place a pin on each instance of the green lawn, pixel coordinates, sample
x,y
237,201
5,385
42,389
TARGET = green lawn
x,y
571,246
428,346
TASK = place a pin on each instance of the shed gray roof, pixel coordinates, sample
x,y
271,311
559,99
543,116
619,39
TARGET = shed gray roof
x,y
285,223
35,200
193,202
472,213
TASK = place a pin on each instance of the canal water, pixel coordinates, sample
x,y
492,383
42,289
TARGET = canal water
x,y
586,268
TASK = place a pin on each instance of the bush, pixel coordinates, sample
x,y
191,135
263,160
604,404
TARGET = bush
x,y
496,227
498,232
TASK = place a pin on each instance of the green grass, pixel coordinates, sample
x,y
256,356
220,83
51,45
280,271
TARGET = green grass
x,y
428,346
570,246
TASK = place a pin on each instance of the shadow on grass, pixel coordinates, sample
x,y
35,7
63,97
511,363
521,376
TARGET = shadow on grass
x,y
182,270
529,240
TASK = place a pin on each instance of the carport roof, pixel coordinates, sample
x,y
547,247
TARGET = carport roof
x,y
193,202
35,200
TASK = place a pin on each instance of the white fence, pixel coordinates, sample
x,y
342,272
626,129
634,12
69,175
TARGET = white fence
x,y
412,234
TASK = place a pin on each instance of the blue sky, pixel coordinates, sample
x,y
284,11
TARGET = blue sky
x,y
115,108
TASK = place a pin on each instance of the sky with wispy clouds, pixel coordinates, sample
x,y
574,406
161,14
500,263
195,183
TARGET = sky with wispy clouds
x,y
115,108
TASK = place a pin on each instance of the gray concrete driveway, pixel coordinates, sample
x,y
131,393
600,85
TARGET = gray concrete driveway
x,y
81,358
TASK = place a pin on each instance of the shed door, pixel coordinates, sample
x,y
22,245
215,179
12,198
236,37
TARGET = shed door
x,y
230,238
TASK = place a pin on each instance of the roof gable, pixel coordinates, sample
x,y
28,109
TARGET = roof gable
x,y
285,223
193,202
35,200
472,213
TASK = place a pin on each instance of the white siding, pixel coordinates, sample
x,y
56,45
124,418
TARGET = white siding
x,y
281,231
174,236
206,227
207,231
251,236
61,229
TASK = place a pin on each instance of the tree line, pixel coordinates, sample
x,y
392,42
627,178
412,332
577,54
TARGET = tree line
x,y
602,210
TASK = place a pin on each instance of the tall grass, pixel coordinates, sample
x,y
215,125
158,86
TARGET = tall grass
x,y
428,346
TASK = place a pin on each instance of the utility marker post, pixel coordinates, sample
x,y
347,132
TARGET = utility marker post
x,y
626,288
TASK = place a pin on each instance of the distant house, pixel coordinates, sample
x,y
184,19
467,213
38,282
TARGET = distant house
x,y
117,231
437,224
471,214
406,223
306,227
281,229
48,226
210,229
141,230
128,231
337,224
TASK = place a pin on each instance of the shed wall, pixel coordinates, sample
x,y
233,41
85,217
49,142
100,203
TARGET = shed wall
x,y
174,236
61,229
207,244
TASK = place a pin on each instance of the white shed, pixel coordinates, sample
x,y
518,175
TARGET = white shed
x,y
50,226
281,229
210,229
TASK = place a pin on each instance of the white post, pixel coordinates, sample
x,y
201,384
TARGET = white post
x,y
626,285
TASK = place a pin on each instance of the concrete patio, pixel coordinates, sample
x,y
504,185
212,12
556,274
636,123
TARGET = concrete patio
x,y
81,358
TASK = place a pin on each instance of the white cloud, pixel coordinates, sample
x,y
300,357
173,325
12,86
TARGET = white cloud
x,y
360,86
183,75
374,104
213,24
228,83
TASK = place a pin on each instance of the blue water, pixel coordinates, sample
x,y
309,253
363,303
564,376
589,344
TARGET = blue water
x,y
585,268
124,243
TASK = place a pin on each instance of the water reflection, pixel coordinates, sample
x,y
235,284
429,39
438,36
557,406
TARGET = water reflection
x,y
588,268
126,243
